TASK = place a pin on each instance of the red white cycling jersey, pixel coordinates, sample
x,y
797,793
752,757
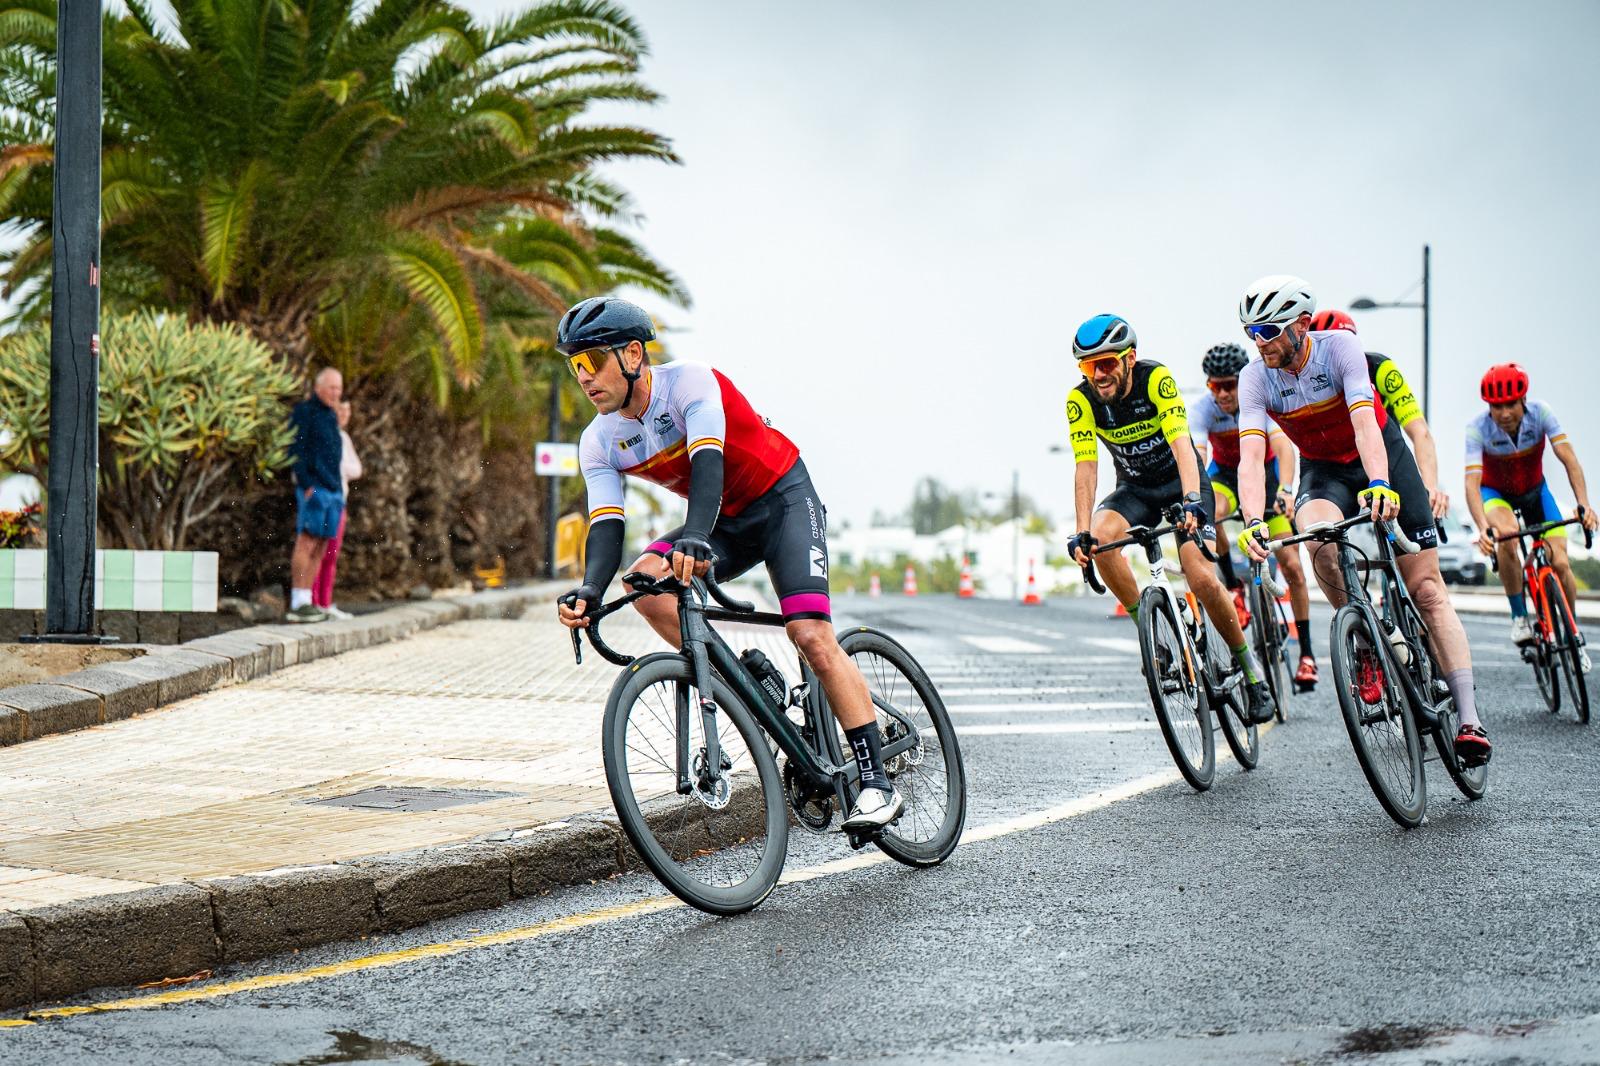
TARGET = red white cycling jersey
x,y
1221,430
1313,404
1512,466
691,407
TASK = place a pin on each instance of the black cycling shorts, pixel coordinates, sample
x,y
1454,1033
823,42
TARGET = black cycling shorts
x,y
785,527
1142,505
1339,483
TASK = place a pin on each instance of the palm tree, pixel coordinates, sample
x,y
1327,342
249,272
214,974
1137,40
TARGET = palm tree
x,y
392,187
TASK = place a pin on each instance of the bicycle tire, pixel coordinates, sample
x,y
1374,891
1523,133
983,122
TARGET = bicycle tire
x,y
1547,673
1471,781
1564,633
1232,709
1271,649
1353,633
1179,723
673,834
894,675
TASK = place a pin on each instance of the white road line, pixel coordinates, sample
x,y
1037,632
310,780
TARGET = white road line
x,y
1006,645
1127,644
1054,727
1038,708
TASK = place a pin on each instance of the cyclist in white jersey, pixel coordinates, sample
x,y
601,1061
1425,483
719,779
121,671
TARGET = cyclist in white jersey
x,y
1317,387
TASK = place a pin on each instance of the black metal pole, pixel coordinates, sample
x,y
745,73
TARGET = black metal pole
x,y
74,326
554,505
1426,258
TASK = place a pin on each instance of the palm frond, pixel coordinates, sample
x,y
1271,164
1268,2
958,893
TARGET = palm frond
x,y
437,281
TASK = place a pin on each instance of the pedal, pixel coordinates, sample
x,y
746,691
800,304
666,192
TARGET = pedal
x,y
1304,686
860,838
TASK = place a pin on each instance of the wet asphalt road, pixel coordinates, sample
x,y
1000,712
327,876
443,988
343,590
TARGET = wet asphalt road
x,y
1281,917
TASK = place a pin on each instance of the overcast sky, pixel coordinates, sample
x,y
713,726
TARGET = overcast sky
x,y
893,215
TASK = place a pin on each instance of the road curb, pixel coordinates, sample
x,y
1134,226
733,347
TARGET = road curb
x,y
165,674
177,930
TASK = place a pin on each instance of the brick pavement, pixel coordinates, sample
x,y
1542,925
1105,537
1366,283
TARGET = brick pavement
x,y
219,784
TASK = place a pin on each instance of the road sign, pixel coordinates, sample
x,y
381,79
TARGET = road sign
x,y
555,460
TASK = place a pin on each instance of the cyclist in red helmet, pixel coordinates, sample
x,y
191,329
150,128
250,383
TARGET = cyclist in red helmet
x,y
1506,483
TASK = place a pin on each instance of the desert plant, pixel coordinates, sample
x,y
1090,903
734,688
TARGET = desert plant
x,y
184,408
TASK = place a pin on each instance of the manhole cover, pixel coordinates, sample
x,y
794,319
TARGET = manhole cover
x,y
391,798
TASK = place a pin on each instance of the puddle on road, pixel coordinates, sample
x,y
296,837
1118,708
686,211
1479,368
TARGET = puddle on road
x,y
356,1047
1381,1039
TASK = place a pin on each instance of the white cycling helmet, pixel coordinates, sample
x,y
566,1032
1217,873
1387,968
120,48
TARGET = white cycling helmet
x,y
1278,299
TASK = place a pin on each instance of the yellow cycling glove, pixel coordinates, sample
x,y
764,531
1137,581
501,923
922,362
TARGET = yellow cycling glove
x,y
1378,490
1252,530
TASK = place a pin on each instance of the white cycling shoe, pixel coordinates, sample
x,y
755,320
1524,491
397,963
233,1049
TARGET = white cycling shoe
x,y
875,809
1521,630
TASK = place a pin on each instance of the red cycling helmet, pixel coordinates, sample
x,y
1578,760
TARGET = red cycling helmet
x,y
1332,320
1504,383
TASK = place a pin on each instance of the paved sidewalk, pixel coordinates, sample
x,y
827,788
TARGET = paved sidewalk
x,y
223,784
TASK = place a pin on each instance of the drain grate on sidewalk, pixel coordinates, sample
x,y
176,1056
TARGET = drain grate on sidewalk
x,y
397,798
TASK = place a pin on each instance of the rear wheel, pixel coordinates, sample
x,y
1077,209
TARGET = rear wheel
x,y
929,774
1231,706
1564,647
1271,647
1176,690
1381,726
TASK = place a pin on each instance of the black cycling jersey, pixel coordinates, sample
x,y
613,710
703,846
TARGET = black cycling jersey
x,y
1140,429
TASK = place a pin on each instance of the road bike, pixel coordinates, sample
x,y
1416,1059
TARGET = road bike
x,y
1268,629
1390,686
1556,651
1195,682
690,743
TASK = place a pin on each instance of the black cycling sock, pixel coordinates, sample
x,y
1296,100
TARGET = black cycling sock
x,y
1302,632
1230,580
866,744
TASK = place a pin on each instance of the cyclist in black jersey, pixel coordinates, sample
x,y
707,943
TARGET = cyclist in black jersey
x,y
1134,407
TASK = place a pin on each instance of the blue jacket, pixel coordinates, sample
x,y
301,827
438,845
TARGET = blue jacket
x,y
317,448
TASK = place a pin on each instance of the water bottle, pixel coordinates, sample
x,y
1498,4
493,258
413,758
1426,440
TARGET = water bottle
x,y
768,678
1397,641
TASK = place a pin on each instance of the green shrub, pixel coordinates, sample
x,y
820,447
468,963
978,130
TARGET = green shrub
x,y
183,408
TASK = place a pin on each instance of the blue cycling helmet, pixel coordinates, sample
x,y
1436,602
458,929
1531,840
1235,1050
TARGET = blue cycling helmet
x,y
602,322
1103,334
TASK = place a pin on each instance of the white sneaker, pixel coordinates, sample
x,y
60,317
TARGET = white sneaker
x,y
1521,630
1583,658
875,809
335,612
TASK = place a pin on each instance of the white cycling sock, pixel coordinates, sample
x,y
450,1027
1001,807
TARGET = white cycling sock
x,y
298,598
1460,684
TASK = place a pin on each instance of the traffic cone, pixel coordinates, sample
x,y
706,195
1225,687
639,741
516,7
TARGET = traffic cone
x,y
1120,612
965,591
910,586
1030,598
876,588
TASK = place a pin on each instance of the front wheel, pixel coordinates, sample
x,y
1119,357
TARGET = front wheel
x,y
1564,646
928,772
1177,691
1231,705
1269,637
1377,716
720,848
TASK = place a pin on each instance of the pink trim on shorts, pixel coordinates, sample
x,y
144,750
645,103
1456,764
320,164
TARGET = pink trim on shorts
x,y
662,548
805,603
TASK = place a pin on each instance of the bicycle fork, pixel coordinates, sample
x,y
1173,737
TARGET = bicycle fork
x,y
704,774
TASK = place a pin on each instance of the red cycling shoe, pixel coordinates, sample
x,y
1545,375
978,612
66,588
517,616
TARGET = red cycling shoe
x,y
1472,746
1240,609
1305,678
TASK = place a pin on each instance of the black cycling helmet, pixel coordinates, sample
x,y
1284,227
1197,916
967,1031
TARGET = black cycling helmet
x,y
602,322
1224,361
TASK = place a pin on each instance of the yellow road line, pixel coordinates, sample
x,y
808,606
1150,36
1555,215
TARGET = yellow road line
x,y
654,904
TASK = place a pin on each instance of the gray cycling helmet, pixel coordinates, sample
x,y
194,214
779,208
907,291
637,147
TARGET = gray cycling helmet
x,y
603,322
1103,334
1224,361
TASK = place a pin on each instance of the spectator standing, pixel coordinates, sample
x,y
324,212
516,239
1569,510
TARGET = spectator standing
x,y
318,489
349,470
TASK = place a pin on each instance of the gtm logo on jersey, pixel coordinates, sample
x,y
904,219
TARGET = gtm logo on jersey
x,y
819,562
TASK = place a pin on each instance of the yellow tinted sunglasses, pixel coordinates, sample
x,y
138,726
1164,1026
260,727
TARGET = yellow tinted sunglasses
x,y
590,362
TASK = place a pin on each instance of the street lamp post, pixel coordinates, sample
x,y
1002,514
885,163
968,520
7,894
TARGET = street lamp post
x,y
1366,304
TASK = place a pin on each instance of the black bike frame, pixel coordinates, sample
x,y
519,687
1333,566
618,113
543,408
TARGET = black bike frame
x,y
822,767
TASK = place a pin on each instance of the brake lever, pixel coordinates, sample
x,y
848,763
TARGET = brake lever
x,y
577,647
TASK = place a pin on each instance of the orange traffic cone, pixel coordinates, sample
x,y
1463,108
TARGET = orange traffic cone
x,y
1120,612
876,588
910,586
965,590
1030,598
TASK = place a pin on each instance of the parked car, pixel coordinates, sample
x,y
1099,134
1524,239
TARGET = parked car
x,y
1460,561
